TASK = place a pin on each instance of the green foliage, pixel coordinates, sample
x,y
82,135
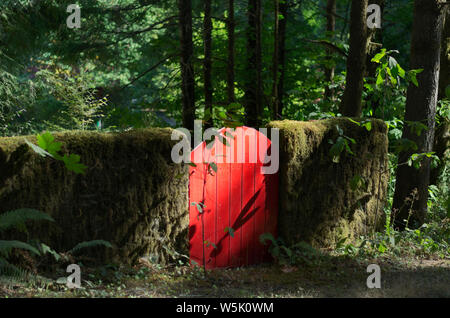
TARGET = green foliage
x,y
89,244
47,146
341,144
297,254
17,218
416,159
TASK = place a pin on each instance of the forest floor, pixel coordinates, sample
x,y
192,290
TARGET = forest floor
x,y
328,277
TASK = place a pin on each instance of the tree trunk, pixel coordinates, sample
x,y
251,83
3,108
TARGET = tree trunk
x,y
442,133
230,70
207,64
276,60
253,91
187,68
444,75
329,63
351,104
283,6
411,189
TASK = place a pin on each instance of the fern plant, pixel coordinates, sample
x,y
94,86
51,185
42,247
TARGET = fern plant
x,y
15,220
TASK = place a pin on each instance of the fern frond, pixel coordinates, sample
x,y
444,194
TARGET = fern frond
x,y
17,218
13,275
90,244
7,246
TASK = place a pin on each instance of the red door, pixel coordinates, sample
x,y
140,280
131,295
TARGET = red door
x,y
231,201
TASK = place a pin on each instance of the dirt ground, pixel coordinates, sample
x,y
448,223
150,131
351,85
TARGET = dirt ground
x,y
335,277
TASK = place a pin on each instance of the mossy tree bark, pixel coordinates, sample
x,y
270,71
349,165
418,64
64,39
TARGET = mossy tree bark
x,y
351,104
253,89
411,189
187,67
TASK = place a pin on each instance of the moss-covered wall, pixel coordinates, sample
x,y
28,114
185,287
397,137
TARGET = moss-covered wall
x,y
132,194
135,197
317,202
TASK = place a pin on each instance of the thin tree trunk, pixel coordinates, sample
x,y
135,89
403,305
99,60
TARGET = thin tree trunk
x,y
351,104
345,23
230,69
276,52
411,189
444,76
187,68
207,64
253,91
442,134
329,67
282,55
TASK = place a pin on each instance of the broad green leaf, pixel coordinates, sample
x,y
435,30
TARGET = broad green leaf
x,y
213,166
380,79
392,62
230,231
47,142
368,125
400,71
38,149
72,163
377,58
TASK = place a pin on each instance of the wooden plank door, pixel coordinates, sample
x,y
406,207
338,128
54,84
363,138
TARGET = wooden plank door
x,y
231,202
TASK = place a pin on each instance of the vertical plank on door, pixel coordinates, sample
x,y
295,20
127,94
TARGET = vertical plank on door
x,y
223,207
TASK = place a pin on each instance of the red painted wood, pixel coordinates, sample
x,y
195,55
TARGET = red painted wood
x,y
238,195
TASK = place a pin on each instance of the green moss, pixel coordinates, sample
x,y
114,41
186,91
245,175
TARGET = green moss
x,y
132,194
317,202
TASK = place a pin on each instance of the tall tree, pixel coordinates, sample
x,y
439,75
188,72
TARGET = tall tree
x,y
187,67
444,75
442,134
253,89
283,7
207,64
411,189
275,63
329,67
230,68
351,104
